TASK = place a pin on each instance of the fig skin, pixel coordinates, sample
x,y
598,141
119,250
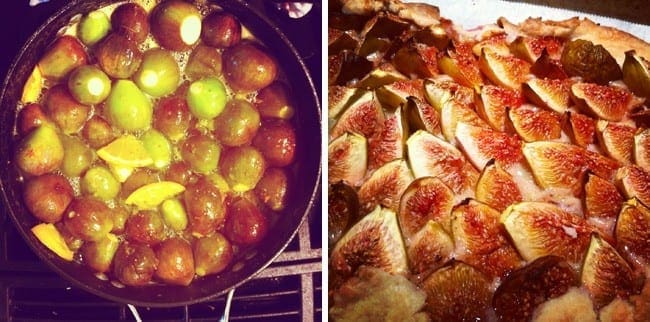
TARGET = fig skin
x,y
41,151
246,225
145,227
273,188
170,19
342,211
205,208
204,61
64,110
273,101
48,196
97,132
30,117
591,62
277,141
130,20
221,30
99,255
212,254
134,264
118,56
88,218
248,67
65,54
175,262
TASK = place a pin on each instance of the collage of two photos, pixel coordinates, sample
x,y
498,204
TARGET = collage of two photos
x,y
165,161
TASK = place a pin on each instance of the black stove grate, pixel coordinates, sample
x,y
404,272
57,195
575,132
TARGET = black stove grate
x,y
290,289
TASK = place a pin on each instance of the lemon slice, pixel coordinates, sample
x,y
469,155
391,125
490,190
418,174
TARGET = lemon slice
x,y
151,195
52,239
120,172
126,151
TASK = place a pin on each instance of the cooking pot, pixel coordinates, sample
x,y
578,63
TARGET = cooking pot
x,y
306,169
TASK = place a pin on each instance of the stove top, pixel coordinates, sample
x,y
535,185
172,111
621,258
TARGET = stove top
x,y
290,289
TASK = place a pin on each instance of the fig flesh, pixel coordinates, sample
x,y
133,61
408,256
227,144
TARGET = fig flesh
x,y
507,71
634,182
483,144
425,199
347,158
633,232
497,188
642,149
385,186
429,248
617,139
535,124
460,63
610,103
495,102
636,74
553,94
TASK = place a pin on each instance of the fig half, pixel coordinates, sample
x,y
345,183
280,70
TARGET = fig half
x,y
563,165
459,63
422,116
539,229
396,93
425,199
527,287
385,186
480,241
633,232
364,116
617,139
507,71
347,158
605,273
607,102
642,149
634,182
581,128
497,188
373,241
431,156
439,91
535,124
602,199
494,104
453,113
389,145
553,94
429,249
484,144
457,292
342,211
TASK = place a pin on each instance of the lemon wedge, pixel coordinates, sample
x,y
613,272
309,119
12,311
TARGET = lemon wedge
x,y
120,172
33,87
126,151
51,237
151,195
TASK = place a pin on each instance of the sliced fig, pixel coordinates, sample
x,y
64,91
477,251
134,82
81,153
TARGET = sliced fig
x,y
581,128
431,156
535,124
554,94
422,116
342,211
453,113
508,71
494,103
416,60
452,285
364,116
483,144
527,287
604,101
617,139
574,305
396,93
539,229
497,188
439,91
497,44
380,76
460,63
480,241
547,67
429,248
602,199
374,49
531,48
373,241
385,186
340,97
642,149
634,182
389,145
425,199
433,35
338,40
605,273
633,232
347,67
384,25
636,73
347,159
562,165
